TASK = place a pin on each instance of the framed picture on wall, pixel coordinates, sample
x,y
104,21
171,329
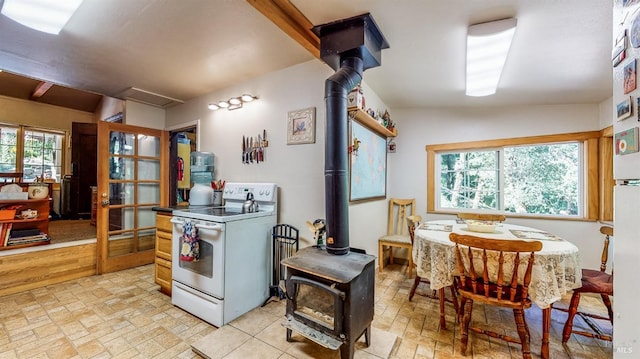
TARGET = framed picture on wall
x,y
623,109
367,164
630,76
301,126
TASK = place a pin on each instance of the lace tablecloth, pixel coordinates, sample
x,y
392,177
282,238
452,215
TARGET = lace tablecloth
x,y
556,268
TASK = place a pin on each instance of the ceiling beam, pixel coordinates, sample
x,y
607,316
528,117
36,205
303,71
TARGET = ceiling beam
x,y
41,89
290,20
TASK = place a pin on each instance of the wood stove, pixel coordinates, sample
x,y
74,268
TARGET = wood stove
x,y
330,298
330,290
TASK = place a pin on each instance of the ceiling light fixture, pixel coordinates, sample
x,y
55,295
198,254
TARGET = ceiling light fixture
x,y
487,48
48,16
233,103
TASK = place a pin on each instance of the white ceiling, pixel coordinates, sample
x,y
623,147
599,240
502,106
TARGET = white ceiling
x,y
186,48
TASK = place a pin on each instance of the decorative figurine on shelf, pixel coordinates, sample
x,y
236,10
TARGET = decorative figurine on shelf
x,y
386,117
318,228
354,148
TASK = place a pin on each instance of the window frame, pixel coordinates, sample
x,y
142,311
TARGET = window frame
x,y
20,145
591,177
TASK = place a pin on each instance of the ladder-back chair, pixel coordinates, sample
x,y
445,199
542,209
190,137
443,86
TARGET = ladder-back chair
x,y
594,282
490,273
413,222
397,231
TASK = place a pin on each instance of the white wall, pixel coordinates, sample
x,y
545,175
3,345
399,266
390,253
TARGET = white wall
x,y
297,169
139,114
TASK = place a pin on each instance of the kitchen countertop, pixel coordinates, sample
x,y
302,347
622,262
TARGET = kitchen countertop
x,y
167,209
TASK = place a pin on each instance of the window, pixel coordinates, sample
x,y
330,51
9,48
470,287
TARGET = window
x,y
532,176
8,149
42,155
37,153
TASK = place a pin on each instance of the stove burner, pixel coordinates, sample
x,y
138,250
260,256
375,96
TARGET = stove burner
x,y
216,211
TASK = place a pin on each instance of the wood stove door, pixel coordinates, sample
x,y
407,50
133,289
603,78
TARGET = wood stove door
x,y
316,304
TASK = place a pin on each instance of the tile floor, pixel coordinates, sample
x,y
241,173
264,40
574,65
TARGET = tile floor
x,y
123,315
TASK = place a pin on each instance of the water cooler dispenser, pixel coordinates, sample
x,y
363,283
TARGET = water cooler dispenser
x,y
201,193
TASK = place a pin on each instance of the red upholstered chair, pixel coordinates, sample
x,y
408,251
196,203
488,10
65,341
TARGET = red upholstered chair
x,y
595,282
413,222
489,273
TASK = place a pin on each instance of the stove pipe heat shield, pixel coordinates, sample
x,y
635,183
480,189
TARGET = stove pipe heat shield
x,y
349,46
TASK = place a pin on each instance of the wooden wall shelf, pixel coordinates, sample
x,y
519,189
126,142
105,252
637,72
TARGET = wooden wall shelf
x,y
41,222
368,121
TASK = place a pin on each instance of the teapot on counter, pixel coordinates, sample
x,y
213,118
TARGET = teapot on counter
x,y
250,205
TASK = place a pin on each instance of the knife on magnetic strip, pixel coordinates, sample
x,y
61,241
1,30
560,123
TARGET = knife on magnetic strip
x,y
244,149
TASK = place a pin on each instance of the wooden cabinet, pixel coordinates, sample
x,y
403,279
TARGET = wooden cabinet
x,y
39,223
163,251
368,121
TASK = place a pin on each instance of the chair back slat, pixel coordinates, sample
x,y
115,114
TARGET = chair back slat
x,y
608,233
412,223
506,283
399,210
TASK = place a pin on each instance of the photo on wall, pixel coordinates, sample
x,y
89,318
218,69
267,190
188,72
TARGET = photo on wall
x,y
624,109
626,141
630,76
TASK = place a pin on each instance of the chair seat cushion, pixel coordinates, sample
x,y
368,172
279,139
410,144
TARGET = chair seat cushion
x,y
595,281
396,238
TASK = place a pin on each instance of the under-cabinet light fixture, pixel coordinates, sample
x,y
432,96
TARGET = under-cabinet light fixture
x,y
48,16
233,103
487,48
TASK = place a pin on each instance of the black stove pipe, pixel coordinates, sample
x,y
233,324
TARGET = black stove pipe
x,y
336,169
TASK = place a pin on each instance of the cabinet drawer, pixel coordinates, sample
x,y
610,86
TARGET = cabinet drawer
x,y
163,275
163,223
163,247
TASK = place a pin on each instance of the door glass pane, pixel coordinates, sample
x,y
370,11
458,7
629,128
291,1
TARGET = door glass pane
x,y
127,218
148,146
122,143
121,193
146,217
148,170
121,168
148,193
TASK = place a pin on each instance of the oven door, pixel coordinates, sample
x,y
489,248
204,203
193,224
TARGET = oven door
x,y
206,274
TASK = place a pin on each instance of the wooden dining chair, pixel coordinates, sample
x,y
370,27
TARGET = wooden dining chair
x,y
490,273
413,222
594,282
482,217
397,231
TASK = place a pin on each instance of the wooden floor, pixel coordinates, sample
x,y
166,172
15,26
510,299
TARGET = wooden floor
x,y
123,315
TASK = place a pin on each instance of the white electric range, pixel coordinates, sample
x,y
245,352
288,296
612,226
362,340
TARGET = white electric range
x,y
232,273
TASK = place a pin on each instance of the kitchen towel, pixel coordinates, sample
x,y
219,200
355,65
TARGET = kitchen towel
x,y
189,243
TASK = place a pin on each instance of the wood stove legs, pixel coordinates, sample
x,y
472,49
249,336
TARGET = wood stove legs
x,y
347,350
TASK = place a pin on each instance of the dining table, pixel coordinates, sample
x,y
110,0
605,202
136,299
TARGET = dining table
x,y
556,268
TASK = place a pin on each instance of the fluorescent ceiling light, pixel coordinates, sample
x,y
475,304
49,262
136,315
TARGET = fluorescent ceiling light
x,y
48,16
487,48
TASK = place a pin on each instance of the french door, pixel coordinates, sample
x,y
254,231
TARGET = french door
x,y
132,179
